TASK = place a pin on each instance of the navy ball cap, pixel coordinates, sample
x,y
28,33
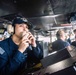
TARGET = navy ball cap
x,y
20,20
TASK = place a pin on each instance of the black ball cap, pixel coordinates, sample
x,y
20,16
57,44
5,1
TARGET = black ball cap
x,y
20,20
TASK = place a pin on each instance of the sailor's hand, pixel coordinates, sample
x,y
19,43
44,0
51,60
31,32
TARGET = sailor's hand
x,y
32,40
24,43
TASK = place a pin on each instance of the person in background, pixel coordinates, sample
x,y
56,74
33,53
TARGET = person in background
x,y
2,30
74,42
19,50
60,43
74,33
9,31
69,37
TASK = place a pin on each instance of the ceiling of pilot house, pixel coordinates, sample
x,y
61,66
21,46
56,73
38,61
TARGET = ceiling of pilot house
x,y
39,12
31,8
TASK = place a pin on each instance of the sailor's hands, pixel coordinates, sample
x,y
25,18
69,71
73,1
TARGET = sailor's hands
x,y
27,38
23,45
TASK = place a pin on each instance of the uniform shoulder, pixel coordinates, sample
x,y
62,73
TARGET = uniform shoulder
x,y
4,41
